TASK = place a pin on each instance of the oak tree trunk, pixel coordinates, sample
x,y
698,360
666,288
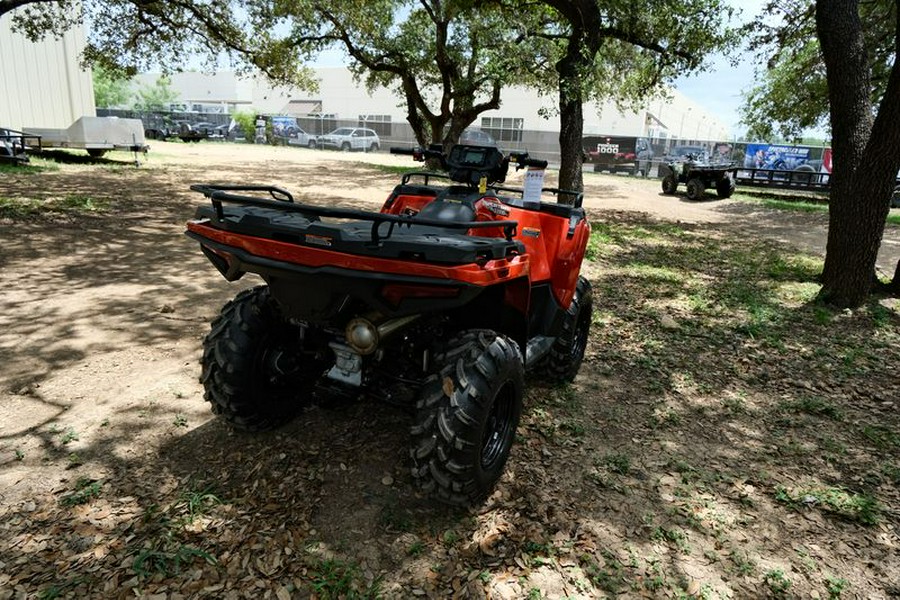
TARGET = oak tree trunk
x,y
866,156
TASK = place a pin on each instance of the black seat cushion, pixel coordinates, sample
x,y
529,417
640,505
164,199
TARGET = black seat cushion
x,y
445,210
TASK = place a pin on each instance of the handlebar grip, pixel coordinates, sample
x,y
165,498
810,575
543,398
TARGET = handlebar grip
x,y
406,151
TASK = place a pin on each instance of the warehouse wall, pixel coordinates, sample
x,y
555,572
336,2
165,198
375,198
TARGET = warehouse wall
x,y
41,84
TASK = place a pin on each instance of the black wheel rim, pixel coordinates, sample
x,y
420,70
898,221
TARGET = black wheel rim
x,y
498,427
281,368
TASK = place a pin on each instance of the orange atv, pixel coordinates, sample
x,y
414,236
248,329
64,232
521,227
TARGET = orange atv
x,y
440,302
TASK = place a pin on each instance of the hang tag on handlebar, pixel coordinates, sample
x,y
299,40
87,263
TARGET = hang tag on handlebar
x,y
534,183
482,185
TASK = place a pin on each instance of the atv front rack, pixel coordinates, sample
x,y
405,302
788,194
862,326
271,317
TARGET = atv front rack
x,y
282,200
573,199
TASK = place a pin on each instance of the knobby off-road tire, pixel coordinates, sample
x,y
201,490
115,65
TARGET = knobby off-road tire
x,y
669,184
725,187
252,373
567,352
466,417
695,189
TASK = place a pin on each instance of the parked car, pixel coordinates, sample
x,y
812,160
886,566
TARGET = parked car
x,y
350,138
299,137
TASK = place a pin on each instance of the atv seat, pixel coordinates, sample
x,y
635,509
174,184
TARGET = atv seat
x,y
445,210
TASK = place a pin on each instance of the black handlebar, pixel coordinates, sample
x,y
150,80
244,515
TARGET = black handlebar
x,y
522,160
407,151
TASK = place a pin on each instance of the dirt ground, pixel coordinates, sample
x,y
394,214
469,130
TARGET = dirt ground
x,y
101,321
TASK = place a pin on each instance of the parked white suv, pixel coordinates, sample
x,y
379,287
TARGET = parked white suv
x,y
350,138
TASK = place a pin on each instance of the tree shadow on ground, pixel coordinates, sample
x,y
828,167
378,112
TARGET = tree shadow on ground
x,y
716,399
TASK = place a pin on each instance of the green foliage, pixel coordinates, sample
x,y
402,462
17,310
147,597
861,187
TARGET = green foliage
x,y
167,559
247,123
332,578
777,583
790,97
24,207
835,586
85,490
157,96
128,36
110,89
792,94
859,507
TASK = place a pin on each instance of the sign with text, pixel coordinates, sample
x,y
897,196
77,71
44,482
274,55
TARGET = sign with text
x,y
534,183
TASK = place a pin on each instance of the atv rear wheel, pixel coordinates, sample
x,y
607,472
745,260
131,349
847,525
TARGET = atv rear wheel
x,y
725,187
696,189
466,417
567,352
254,373
669,184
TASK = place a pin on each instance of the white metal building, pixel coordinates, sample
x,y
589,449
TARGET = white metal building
x,y
42,84
340,97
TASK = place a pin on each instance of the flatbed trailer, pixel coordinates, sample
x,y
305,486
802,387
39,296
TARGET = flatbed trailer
x,y
13,145
96,135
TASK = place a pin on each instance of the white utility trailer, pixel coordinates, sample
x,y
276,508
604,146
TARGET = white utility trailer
x,y
97,135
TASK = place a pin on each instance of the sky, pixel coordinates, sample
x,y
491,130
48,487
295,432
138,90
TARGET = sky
x,y
719,90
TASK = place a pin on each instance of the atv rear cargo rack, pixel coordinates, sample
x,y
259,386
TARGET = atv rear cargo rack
x,y
282,200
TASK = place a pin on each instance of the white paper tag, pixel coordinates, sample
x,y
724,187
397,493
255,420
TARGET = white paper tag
x,y
534,181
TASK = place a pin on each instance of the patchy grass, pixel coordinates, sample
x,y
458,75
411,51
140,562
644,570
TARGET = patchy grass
x,y
85,491
70,203
34,166
395,169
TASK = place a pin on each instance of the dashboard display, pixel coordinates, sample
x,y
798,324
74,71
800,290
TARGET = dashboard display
x,y
473,157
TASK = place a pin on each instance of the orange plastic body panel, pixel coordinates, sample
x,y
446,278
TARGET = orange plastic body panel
x,y
491,272
553,254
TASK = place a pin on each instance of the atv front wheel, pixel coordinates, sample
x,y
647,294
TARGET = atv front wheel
x,y
466,417
725,187
695,189
567,352
669,184
254,372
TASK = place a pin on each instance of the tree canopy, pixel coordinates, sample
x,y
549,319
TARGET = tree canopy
x,y
610,50
448,59
110,90
792,95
